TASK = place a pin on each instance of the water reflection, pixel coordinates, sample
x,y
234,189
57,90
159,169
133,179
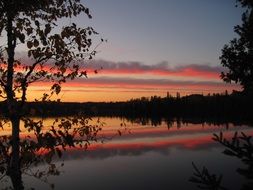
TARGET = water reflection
x,y
39,144
239,146
144,157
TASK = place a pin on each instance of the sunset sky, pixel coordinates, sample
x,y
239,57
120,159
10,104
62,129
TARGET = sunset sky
x,y
154,47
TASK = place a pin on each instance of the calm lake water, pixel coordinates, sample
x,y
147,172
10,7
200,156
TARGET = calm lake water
x,y
146,157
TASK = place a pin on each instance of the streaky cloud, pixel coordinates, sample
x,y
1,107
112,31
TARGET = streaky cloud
x,y
162,68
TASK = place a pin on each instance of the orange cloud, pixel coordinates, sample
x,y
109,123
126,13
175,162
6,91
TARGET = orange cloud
x,y
125,80
121,89
135,83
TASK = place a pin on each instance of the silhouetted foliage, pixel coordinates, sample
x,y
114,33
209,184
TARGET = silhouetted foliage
x,y
205,180
237,56
41,146
241,147
54,55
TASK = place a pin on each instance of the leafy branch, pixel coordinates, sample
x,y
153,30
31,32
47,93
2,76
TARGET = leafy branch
x,y
205,180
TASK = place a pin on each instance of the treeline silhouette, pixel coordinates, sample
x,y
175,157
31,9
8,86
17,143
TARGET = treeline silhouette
x,y
218,107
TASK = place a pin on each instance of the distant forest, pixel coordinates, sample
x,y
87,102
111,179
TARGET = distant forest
x,y
224,107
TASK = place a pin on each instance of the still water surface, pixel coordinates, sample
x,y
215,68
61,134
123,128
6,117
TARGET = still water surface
x,y
146,157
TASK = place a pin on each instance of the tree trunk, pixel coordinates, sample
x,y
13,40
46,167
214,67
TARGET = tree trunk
x,y
11,41
14,169
14,165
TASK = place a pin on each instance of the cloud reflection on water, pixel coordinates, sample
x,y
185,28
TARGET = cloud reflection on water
x,y
194,137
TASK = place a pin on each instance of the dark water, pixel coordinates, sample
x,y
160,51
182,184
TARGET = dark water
x,y
146,158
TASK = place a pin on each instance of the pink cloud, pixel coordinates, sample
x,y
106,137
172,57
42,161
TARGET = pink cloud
x,y
162,69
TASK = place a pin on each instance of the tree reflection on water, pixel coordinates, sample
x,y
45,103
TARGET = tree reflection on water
x,y
42,147
43,143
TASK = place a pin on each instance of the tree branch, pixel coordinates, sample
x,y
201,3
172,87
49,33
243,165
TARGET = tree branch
x,y
24,83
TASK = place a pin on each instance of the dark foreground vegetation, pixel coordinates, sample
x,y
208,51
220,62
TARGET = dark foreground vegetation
x,y
224,107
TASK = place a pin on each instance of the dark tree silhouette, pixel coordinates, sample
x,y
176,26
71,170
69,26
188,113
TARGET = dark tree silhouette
x,y
239,146
204,180
55,56
237,56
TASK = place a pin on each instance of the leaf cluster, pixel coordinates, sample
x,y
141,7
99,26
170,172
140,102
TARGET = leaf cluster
x,y
56,55
204,180
241,146
237,56
47,142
